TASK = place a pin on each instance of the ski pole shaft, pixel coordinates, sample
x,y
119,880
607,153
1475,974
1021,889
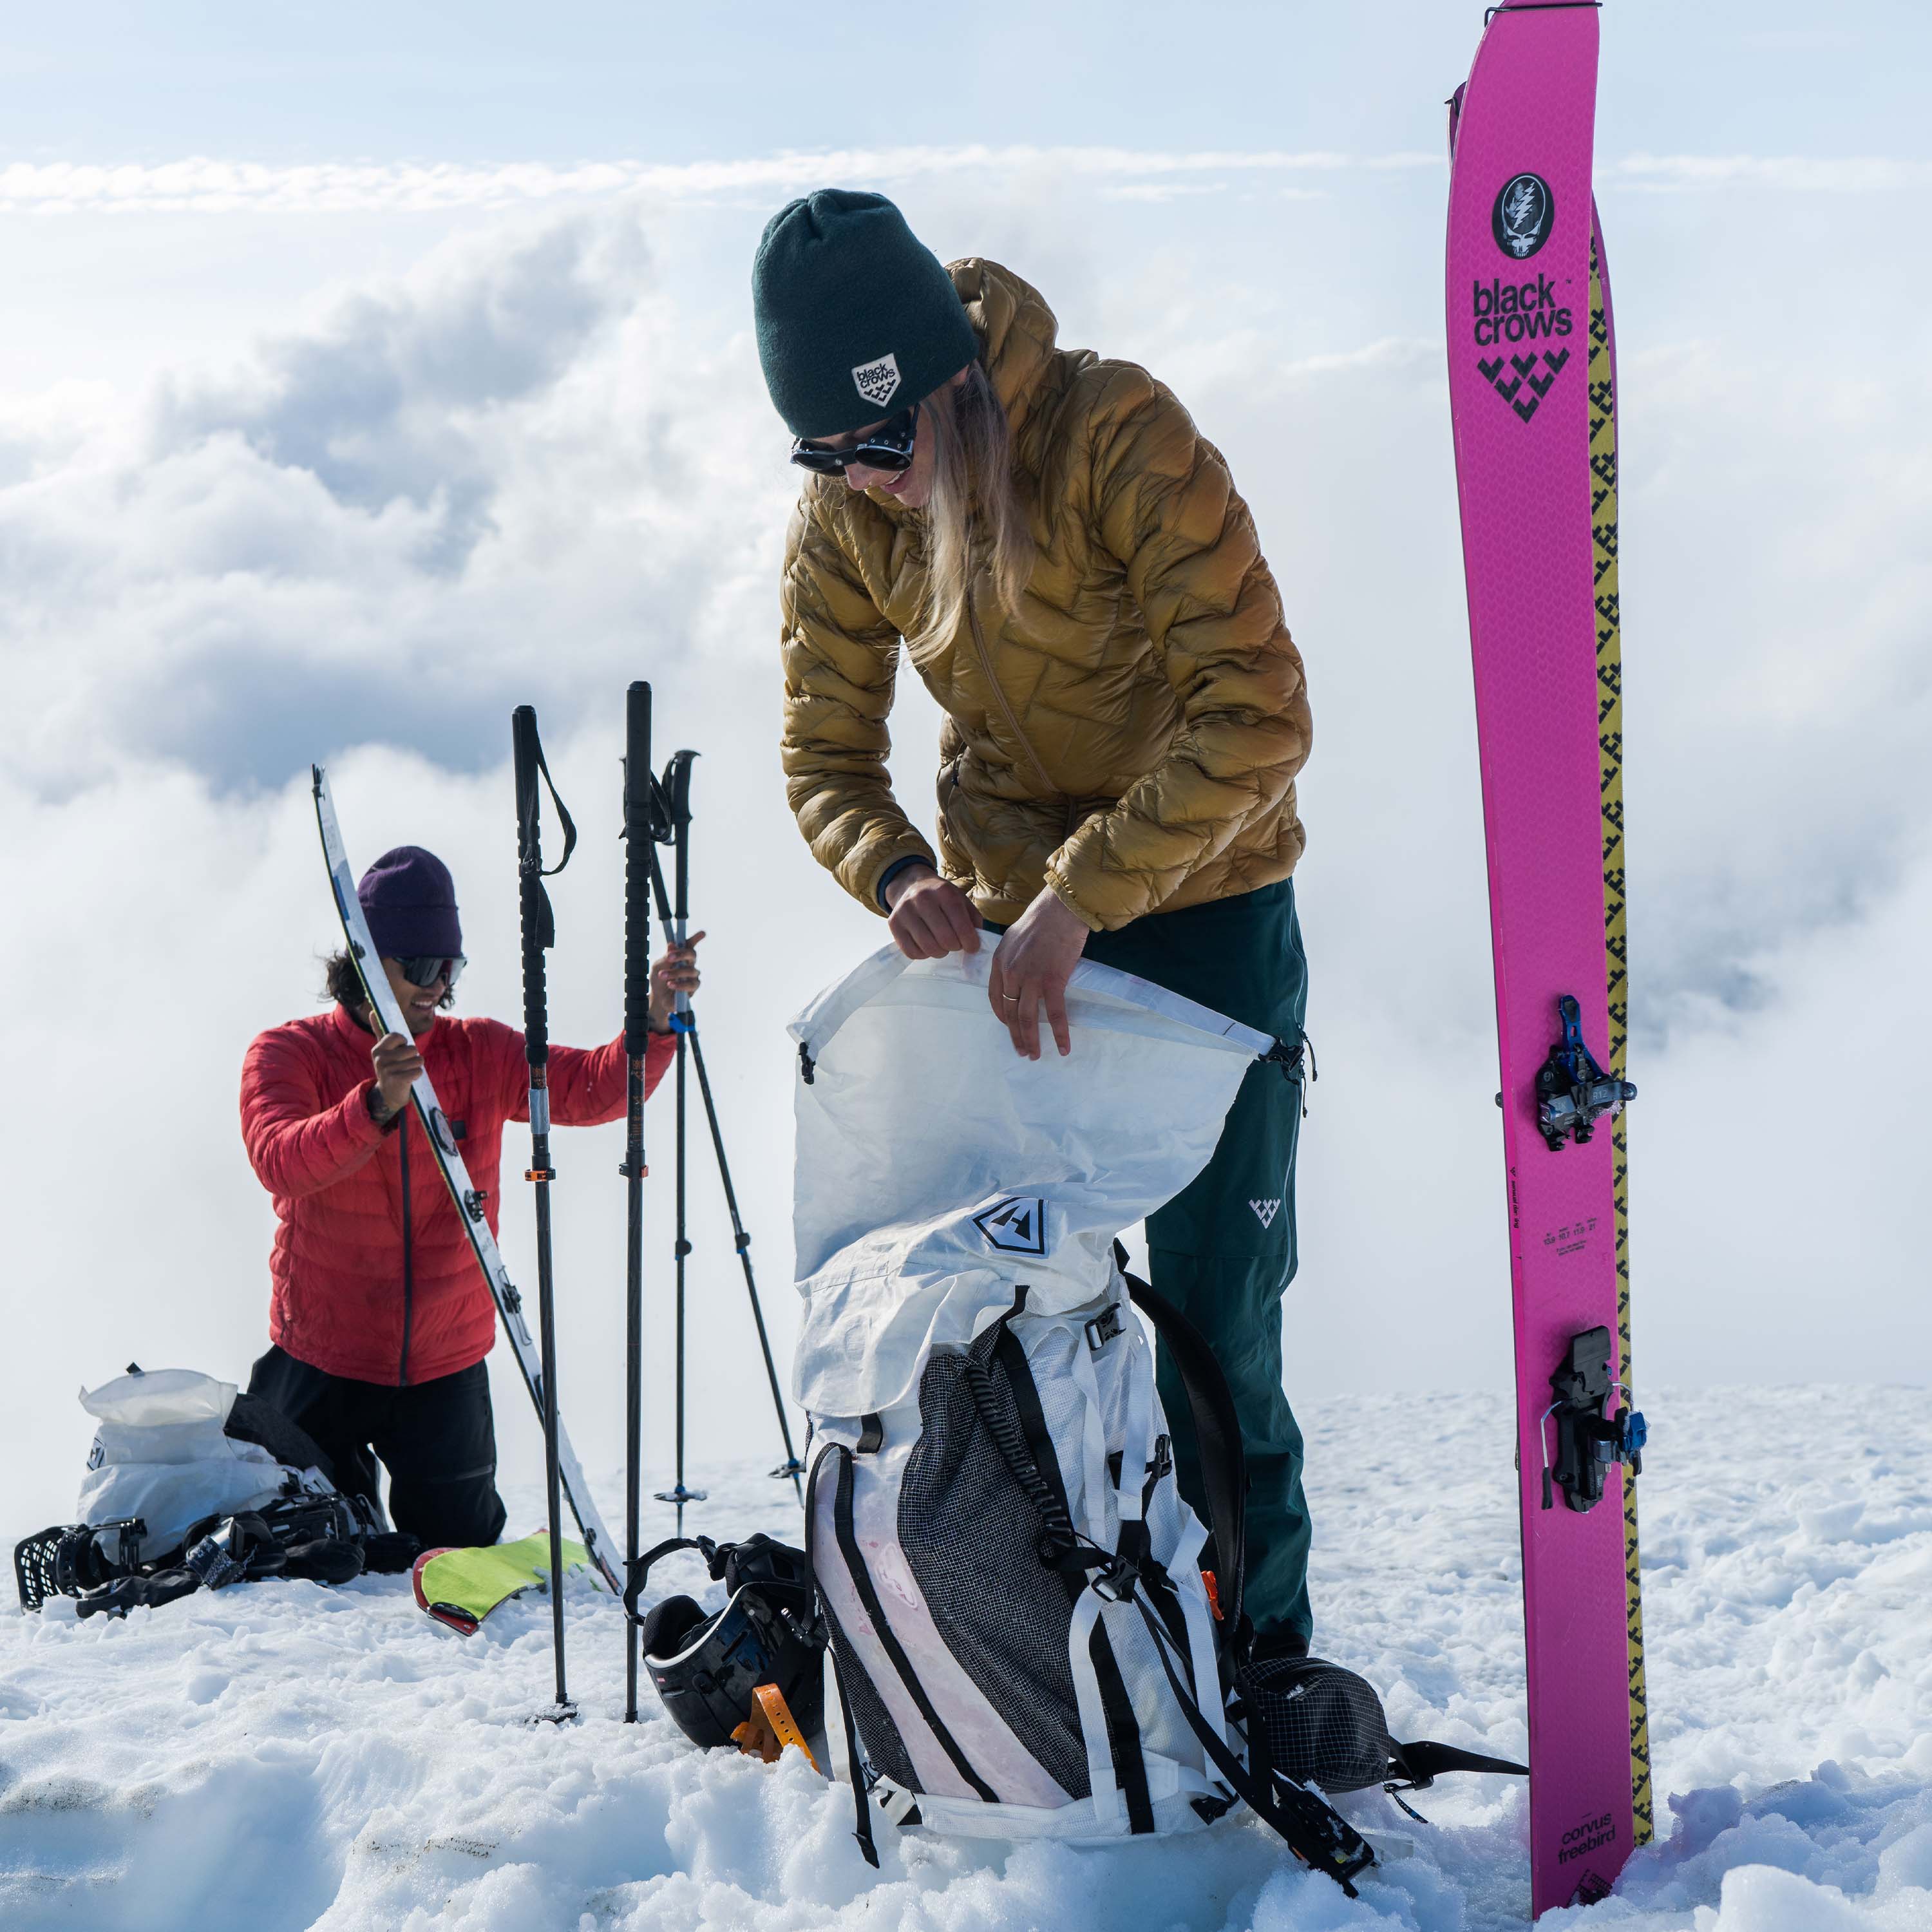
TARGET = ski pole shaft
x,y
741,1241
679,1495
538,932
639,856
677,791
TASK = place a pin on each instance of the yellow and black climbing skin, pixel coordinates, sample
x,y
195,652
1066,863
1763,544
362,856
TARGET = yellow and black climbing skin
x,y
1610,741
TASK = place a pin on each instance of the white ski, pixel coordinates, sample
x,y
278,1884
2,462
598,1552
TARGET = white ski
x,y
469,1203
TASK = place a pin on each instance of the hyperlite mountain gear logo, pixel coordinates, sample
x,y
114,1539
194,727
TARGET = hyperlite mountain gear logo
x,y
878,382
1265,1211
1503,313
1524,214
1014,1227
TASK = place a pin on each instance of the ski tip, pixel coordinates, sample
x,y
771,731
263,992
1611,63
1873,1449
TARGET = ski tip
x,y
317,781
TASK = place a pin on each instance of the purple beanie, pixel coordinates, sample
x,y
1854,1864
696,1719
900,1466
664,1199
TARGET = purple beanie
x,y
410,900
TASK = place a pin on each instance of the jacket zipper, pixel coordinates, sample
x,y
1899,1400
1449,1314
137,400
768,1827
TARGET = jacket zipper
x,y
409,1253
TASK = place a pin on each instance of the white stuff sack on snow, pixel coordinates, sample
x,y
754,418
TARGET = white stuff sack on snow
x,y
161,1453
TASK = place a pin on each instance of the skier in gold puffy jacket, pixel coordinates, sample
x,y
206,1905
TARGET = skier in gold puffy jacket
x,y
1065,561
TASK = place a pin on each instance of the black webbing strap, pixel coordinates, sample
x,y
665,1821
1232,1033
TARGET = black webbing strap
x,y
1035,1468
1321,1838
529,805
861,1828
869,1596
861,1802
538,921
1217,1436
1422,1762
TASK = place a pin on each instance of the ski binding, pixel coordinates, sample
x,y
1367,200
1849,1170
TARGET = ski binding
x,y
1573,1093
1588,1441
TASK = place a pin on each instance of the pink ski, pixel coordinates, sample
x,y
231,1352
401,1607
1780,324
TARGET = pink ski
x,y
1532,397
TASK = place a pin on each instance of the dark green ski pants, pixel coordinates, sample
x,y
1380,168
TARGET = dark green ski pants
x,y
1223,1249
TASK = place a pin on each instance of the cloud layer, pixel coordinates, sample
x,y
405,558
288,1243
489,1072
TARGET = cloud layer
x,y
538,463
208,185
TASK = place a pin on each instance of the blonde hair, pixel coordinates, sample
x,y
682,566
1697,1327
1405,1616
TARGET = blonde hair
x,y
975,493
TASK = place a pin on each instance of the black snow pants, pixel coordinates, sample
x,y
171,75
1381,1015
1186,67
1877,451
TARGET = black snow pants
x,y
437,1439
1223,1250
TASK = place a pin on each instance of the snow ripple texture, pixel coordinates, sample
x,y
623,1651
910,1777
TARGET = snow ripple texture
x,y
284,1756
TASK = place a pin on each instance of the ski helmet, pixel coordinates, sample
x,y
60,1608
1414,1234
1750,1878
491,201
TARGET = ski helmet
x,y
707,1667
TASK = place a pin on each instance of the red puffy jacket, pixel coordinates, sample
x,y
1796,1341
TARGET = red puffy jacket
x,y
374,1277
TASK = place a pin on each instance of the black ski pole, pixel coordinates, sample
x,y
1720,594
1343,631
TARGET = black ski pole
x,y
677,778
675,814
742,1241
539,931
639,853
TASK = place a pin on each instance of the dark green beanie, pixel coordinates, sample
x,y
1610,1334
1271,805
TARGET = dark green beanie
x,y
856,316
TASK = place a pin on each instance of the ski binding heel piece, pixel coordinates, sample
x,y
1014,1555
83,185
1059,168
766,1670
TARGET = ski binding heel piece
x,y
1573,1093
1588,1442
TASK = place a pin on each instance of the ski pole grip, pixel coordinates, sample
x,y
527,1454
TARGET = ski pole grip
x,y
532,901
638,840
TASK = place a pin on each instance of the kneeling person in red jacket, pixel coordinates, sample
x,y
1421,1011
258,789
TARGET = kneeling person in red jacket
x,y
380,1319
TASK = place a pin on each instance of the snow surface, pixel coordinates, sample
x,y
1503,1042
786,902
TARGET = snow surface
x,y
284,1756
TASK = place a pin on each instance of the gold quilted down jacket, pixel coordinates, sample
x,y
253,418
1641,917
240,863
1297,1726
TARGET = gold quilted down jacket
x,y
1131,736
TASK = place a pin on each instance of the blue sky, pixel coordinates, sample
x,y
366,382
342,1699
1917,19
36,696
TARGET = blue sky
x,y
367,372
307,82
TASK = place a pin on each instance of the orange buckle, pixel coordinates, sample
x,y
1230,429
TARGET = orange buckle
x,y
1213,1593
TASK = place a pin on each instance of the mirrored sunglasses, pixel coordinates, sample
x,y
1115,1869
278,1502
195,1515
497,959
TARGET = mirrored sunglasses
x,y
430,968
889,447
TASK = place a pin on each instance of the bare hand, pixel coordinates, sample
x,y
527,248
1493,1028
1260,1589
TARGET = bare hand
x,y
674,972
930,916
398,1064
1035,961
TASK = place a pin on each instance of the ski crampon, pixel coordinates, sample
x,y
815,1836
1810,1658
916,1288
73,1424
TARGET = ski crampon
x,y
1532,392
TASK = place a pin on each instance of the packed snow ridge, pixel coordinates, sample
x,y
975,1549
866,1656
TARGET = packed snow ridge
x,y
282,1756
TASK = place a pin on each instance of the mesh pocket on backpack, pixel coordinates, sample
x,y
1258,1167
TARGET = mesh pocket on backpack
x,y
1323,1724
969,1535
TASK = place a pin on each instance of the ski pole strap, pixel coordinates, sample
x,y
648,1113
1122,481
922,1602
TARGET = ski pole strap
x,y
524,721
538,921
1421,1763
1217,1435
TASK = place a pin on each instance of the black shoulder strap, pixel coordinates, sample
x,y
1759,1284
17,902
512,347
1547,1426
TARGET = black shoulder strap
x,y
1422,1762
1217,1435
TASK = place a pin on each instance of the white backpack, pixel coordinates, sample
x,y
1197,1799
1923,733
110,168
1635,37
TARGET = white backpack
x,y
1022,1641
162,1454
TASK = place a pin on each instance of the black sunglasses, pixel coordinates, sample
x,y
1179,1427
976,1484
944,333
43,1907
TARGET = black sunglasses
x,y
888,447
426,970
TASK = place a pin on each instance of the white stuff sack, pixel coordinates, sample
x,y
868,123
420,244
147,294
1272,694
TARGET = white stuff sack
x,y
954,1213
161,1453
